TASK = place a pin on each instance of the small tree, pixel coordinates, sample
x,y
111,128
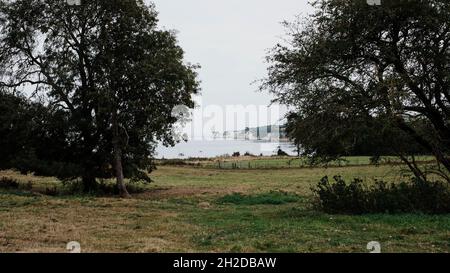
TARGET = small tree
x,y
384,67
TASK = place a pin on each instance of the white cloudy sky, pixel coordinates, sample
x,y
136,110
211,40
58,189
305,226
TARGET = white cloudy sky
x,y
229,39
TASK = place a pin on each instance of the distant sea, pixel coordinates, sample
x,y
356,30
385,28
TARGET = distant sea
x,y
214,148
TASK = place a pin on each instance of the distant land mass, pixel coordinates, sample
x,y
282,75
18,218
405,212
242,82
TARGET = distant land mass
x,y
262,133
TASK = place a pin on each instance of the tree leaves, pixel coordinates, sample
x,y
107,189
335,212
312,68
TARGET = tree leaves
x,y
359,61
100,58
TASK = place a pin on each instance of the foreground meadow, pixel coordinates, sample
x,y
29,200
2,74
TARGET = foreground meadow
x,y
189,209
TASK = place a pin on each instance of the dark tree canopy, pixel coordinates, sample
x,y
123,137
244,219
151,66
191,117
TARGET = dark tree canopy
x,y
353,70
33,138
327,136
109,68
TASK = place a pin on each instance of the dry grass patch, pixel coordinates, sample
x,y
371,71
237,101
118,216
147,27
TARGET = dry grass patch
x,y
100,225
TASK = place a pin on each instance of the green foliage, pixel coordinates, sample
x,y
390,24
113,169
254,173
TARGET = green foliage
x,y
7,183
280,152
109,77
172,162
33,138
416,196
367,79
14,127
270,198
102,188
105,188
326,137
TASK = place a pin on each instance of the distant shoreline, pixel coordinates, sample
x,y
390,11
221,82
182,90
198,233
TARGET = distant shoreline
x,y
224,147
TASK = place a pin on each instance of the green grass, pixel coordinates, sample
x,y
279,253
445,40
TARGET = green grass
x,y
294,228
270,198
190,209
288,162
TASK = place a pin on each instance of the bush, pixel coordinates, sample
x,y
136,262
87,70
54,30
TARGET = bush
x,y
171,162
282,153
53,191
8,183
105,188
249,154
101,188
13,184
236,154
405,197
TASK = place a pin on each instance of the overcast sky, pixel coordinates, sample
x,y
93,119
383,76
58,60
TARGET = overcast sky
x,y
229,39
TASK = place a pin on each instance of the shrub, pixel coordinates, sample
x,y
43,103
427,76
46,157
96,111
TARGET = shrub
x,y
281,153
405,197
53,191
8,183
13,184
270,198
106,188
102,188
171,162
236,154
28,186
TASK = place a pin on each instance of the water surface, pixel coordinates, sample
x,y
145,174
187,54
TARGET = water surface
x,y
213,148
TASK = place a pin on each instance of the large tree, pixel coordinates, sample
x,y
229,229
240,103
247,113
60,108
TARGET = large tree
x,y
108,66
384,66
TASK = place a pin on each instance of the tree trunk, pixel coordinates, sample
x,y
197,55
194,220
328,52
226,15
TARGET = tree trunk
x,y
118,158
88,183
434,149
119,173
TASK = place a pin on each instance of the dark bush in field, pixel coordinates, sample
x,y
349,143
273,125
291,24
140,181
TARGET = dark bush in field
x,y
181,162
405,197
171,162
282,153
270,198
112,189
8,183
53,191
102,188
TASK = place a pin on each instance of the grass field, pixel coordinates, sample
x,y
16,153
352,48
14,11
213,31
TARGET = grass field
x,y
191,209
277,162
